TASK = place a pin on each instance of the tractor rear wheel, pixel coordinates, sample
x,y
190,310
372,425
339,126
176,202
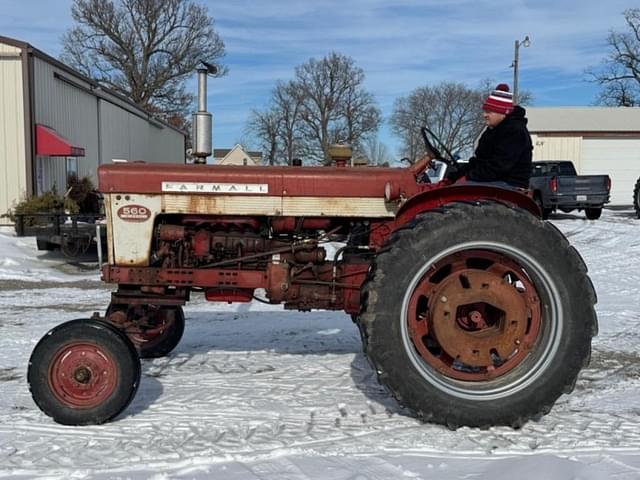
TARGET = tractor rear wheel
x,y
83,372
479,315
154,331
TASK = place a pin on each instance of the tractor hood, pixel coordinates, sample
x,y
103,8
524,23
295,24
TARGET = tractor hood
x,y
272,181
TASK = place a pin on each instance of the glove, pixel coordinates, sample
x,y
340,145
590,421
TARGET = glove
x,y
455,172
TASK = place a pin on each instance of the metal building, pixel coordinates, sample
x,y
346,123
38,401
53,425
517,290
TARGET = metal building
x,y
55,122
598,140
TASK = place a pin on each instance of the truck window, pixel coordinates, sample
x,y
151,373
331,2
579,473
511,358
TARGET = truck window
x,y
566,168
538,170
552,169
544,169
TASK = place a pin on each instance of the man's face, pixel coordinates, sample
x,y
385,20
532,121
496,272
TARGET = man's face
x,y
492,119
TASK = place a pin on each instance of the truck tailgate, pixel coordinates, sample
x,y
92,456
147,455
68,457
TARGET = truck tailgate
x,y
583,185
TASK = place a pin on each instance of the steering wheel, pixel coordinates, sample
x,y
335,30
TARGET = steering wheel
x,y
433,151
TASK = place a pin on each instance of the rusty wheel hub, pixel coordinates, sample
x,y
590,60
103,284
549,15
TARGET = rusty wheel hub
x,y
143,324
474,316
82,375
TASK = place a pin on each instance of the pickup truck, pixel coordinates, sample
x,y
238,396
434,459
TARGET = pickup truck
x,y
556,186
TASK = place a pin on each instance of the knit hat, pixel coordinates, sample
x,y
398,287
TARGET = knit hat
x,y
499,100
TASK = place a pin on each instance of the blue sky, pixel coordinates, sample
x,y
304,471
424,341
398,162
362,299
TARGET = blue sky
x,y
400,45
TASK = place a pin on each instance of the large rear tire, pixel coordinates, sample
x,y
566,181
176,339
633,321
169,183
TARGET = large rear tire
x,y
83,372
478,315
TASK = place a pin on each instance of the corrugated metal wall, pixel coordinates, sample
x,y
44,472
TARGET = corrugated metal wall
x,y
73,113
547,147
126,136
13,177
105,128
101,123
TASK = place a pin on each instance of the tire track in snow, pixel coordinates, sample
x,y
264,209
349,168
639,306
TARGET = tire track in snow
x,y
254,385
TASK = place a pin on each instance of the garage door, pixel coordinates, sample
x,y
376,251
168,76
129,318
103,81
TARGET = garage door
x,y
617,157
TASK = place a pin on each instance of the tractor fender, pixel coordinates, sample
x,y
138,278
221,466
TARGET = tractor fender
x,y
464,192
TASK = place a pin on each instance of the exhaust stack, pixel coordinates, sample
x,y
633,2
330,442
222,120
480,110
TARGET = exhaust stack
x,y
202,121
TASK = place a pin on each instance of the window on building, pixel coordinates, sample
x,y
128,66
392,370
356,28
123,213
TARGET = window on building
x,y
71,166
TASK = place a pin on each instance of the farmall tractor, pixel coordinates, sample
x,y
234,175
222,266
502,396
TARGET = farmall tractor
x,y
472,310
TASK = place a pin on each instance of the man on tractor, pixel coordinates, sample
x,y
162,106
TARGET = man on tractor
x,y
503,154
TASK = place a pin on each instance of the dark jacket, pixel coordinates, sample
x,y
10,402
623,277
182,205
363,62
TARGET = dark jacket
x,y
504,152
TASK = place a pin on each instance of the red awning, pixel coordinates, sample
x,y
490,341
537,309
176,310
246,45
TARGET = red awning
x,y
50,143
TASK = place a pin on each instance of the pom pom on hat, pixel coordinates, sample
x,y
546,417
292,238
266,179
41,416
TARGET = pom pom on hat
x,y
499,100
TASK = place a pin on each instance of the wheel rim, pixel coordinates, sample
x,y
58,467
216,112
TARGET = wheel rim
x,y
82,375
473,323
159,325
151,326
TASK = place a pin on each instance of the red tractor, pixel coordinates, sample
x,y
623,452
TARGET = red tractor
x,y
472,310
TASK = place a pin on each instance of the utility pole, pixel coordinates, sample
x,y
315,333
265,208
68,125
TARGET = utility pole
x,y
516,59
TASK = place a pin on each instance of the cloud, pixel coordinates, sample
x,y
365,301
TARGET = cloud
x,y
400,45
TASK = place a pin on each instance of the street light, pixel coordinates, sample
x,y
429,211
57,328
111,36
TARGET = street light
x,y
525,43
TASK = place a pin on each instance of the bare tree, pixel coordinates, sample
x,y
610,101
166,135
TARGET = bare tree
x,y
376,152
143,49
450,110
361,118
265,127
325,103
278,128
619,73
288,106
335,108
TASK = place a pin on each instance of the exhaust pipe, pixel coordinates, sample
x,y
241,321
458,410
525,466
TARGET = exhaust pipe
x,y
202,121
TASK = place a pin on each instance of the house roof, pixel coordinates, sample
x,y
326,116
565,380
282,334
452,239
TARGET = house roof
x,y
223,152
583,119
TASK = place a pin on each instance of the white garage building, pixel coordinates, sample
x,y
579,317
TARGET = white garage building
x,y
55,122
599,140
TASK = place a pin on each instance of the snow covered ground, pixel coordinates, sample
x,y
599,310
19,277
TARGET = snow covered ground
x,y
256,392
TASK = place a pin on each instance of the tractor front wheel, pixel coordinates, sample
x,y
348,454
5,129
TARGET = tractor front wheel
x,y
478,315
83,372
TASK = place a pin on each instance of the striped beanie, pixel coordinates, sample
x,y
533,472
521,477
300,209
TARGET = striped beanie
x,y
499,100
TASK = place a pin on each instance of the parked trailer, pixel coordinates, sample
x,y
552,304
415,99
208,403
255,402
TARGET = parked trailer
x,y
72,234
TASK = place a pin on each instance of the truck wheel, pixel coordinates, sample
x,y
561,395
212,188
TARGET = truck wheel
x,y
73,247
154,331
478,315
83,372
636,198
593,213
545,212
43,244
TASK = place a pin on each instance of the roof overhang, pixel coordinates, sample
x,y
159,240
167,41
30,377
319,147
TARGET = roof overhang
x,y
578,120
50,143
